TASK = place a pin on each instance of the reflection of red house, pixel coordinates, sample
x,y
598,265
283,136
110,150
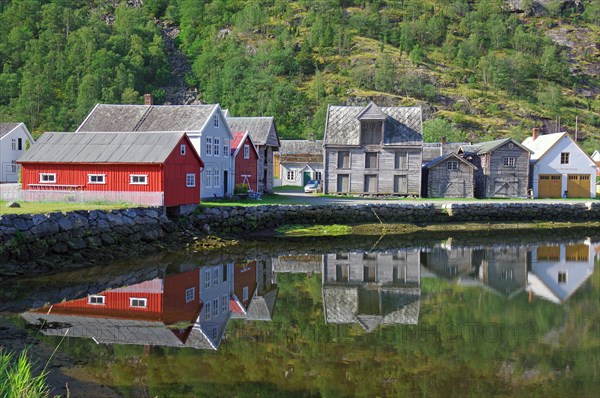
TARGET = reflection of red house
x,y
147,168
245,160
170,300
244,286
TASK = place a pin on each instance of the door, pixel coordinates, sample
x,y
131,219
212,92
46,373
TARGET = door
x,y
343,183
401,185
578,186
225,183
305,178
506,189
549,186
371,183
453,189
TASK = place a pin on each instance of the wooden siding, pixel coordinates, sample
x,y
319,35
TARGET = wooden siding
x,y
176,167
444,183
384,170
495,180
246,166
245,276
176,309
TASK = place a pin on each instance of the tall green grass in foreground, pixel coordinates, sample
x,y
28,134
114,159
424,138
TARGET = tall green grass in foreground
x,y
17,379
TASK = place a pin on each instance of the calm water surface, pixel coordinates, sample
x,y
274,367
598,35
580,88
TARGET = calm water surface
x,y
432,318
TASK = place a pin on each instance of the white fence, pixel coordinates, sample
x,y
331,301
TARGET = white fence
x,y
13,192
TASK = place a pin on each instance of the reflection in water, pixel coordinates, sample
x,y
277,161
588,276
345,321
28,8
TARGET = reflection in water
x,y
191,307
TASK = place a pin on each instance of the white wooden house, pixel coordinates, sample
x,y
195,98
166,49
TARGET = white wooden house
x,y
300,161
15,139
205,125
559,167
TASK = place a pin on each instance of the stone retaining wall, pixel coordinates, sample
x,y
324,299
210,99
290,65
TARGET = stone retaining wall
x,y
26,238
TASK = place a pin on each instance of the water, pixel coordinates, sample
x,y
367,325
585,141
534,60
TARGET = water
x,y
438,317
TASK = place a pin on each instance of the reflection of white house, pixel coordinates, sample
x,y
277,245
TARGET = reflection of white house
x,y
300,161
557,271
14,140
372,288
559,166
216,287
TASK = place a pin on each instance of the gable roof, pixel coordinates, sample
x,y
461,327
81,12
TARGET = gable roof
x,y
432,150
128,118
6,128
301,147
544,143
104,148
403,125
239,137
596,156
489,146
262,129
440,159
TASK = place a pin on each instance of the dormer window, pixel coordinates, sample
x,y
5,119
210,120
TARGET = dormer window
x,y
216,121
371,132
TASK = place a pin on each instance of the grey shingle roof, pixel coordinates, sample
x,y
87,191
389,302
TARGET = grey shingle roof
x,y
261,307
124,118
403,125
489,146
431,150
6,128
440,159
103,147
301,147
261,129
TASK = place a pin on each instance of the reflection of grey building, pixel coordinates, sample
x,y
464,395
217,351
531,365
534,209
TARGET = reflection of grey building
x,y
449,261
307,264
504,269
372,288
557,271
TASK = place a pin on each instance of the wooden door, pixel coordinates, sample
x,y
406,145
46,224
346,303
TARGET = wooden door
x,y
401,185
453,189
578,186
343,183
549,186
371,183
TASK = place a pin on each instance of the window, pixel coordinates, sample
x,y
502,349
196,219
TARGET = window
x,y
224,302
20,144
216,179
318,175
216,307
96,178
452,165
451,270
224,272
370,132
48,178
370,160
182,149
245,293
343,160
508,161
246,151
190,294
208,146
343,183
14,144
291,175
226,148
12,167
138,302
401,160
564,158
96,300
216,146
207,313
207,278
562,277
511,146
216,121
138,179
401,184
207,178
190,180
215,332
215,276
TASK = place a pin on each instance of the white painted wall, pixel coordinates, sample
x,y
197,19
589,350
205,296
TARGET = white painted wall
x,y
298,169
213,288
9,171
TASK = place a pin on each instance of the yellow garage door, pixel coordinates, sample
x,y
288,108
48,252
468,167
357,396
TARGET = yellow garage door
x,y
579,186
549,186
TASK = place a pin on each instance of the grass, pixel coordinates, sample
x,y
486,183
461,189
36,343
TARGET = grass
x,y
49,207
265,200
315,230
17,379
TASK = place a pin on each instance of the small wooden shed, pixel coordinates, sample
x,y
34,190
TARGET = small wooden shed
x,y
448,176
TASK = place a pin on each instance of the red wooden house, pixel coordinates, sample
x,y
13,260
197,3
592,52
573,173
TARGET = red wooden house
x,y
147,168
245,160
244,286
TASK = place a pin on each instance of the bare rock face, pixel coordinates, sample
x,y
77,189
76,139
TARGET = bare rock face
x,y
539,8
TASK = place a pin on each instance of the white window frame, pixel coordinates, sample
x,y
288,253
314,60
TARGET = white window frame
x,y
138,302
565,157
245,293
50,178
182,149
190,294
216,179
318,176
96,299
226,149
190,180
14,144
91,177
209,146
452,165
224,302
142,179
509,161
216,146
208,178
207,278
215,332
290,175
216,120
215,308
215,276
246,151
207,312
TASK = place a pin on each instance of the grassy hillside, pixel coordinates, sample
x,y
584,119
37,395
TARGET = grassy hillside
x,y
481,69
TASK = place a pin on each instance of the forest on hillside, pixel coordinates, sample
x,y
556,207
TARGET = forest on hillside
x,y
481,69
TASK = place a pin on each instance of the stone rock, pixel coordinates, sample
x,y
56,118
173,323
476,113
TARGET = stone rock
x,y
13,204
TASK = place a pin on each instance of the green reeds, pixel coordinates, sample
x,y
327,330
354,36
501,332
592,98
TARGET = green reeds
x,y
17,379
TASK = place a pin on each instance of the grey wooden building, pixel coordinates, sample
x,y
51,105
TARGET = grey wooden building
x,y
372,150
263,132
502,168
449,176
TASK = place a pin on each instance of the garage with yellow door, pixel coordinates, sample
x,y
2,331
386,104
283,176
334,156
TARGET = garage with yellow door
x,y
549,186
578,186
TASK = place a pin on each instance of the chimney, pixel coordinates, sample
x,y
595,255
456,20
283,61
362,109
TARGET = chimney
x,y
444,140
535,133
148,99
